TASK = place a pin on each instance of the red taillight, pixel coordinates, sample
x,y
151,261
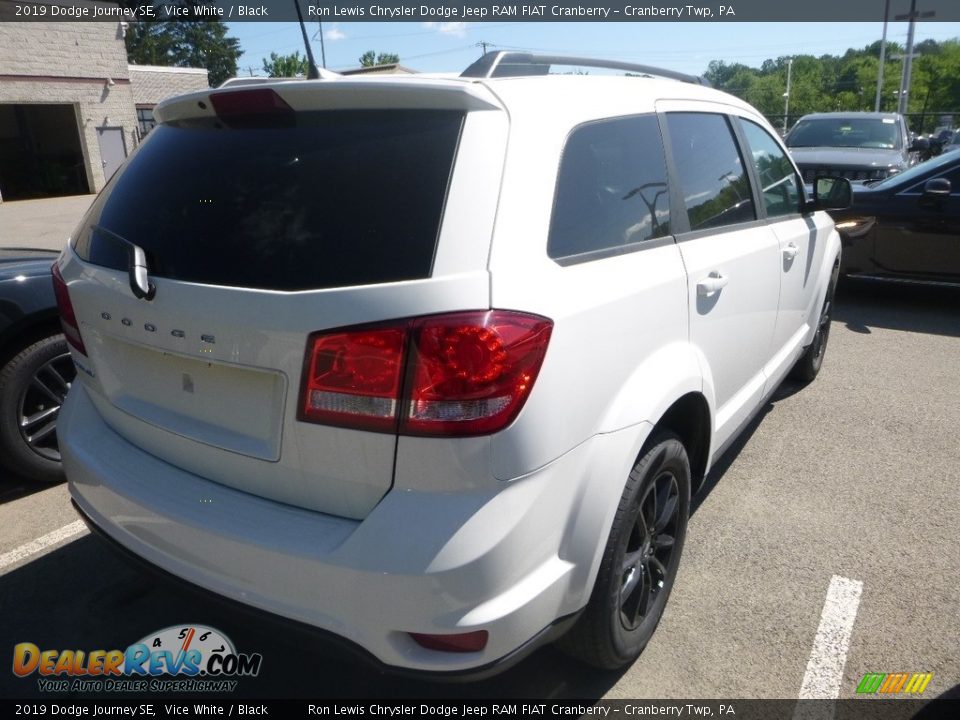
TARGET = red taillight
x,y
471,372
242,108
453,375
353,377
68,318
461,642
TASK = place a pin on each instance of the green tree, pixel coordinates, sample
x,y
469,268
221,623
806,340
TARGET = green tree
x,y
182,43
279,66
849,82
719,73
935,85
372,59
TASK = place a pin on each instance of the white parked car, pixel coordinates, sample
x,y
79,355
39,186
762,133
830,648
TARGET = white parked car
x,y
434,365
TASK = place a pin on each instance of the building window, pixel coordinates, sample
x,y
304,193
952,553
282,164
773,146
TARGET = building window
x,y
145,120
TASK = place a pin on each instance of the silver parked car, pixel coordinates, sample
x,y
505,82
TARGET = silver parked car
x,y
854,145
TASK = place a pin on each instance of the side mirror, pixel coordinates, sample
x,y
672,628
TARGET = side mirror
x,y
831,193
937,187
935,191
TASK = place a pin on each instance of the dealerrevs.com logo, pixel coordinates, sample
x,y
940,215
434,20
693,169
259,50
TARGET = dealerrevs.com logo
x,y
182,658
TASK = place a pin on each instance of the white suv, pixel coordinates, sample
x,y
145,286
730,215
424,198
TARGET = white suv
x,y
435,364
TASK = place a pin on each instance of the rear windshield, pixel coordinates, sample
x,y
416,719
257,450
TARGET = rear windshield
x,y
339,198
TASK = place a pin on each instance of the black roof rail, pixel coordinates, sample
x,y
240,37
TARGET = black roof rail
x,y
503,63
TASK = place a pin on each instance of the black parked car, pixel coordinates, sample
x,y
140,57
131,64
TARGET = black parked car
x,y
35,367
906,227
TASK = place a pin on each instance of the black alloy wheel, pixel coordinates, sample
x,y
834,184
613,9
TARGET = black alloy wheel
x,y
647,555
640,560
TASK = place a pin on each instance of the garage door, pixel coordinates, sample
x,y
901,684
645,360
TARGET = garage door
x,y
40,152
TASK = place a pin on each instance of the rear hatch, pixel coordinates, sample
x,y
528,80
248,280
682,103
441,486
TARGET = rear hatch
x,y
264,216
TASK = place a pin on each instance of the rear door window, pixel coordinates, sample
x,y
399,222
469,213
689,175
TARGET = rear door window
x,y
711,172
339,198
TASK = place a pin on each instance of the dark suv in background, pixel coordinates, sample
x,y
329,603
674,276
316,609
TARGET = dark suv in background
x,y
855,145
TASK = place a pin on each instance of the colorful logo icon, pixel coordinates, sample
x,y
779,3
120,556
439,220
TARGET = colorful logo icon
x,y
182,650
894,683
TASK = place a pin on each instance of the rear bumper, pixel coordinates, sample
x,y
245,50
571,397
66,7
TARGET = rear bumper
x,y
500,560
332,641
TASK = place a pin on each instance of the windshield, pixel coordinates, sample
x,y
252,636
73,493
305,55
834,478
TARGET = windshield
x,y
878,133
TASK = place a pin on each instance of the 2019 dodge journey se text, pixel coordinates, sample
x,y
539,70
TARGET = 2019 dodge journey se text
x,y
434,365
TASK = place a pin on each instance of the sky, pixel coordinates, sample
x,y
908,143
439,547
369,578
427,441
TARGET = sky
x,y
682,46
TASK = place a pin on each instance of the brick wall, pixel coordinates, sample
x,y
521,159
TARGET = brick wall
x,y
152,84
65,49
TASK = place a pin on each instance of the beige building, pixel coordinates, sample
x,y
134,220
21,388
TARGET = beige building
x,y
153,83
69,104
390,69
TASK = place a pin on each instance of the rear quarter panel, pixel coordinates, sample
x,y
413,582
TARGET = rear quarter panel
x,y
619,354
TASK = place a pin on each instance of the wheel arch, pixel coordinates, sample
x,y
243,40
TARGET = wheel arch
x,y
829,273
687,414
672,389
689,419
27,330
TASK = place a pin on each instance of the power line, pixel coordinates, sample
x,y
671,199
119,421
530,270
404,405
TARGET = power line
x,y
438,52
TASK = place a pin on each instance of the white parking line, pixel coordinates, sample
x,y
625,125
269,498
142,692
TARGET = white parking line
x,y
829,654
42,543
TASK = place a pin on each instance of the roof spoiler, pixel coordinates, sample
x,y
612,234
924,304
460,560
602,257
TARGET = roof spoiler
x,y
239,81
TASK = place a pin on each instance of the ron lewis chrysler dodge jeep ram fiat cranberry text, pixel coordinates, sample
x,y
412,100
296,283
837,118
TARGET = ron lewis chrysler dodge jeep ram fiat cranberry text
x,y
435,364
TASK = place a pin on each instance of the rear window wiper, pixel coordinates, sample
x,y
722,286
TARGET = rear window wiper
x,y
137,269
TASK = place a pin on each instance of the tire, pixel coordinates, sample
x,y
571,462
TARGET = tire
x,y
33,385
638,566
809,364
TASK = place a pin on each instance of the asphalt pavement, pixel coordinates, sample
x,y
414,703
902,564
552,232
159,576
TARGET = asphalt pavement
x,y
45,223
855,477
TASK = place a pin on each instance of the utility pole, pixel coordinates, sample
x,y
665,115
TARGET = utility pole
x,y
323,50
904,80
883,53
483,44
786,95
908,58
